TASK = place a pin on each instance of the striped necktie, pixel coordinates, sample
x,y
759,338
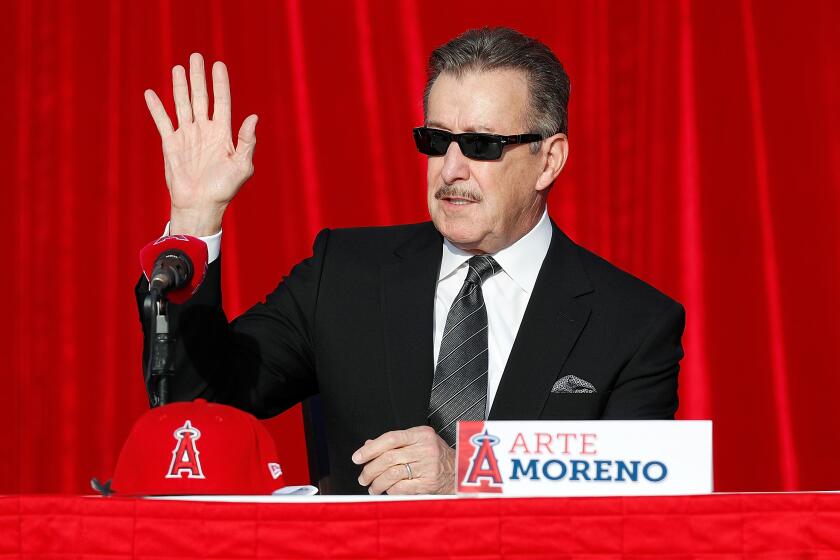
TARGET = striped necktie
x,y
459,389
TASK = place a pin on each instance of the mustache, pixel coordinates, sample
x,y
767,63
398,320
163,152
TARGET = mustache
x,y
455,191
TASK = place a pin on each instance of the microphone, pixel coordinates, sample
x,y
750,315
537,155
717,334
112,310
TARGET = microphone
x,y
175,265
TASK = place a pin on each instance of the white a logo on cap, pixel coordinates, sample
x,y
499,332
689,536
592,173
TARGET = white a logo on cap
x,y
275,469
185,454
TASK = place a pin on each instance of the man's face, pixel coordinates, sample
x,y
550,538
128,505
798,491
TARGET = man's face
x,y
483,206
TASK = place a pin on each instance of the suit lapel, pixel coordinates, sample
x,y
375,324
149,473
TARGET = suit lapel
x,y
408,298
552,324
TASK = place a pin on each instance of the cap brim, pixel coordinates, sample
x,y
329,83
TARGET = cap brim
x,y
295,491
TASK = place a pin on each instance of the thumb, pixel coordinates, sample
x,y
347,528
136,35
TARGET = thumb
x,y
247,137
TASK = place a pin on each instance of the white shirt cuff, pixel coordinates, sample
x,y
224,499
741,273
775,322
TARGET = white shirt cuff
x,y
213,242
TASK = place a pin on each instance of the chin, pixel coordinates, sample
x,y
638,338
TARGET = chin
x,y
464,236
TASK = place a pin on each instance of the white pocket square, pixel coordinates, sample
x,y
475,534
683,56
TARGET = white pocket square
x,y
573,384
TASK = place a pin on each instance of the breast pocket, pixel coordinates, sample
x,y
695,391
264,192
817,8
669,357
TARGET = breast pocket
x,y
573,406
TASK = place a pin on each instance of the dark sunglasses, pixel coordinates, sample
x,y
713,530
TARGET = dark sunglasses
x,y
474,145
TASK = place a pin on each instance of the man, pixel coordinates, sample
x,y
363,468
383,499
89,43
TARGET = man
x,y
487,311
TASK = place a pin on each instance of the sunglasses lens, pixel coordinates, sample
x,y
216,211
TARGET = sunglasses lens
x,y
432,142
480,146
439,142
421,140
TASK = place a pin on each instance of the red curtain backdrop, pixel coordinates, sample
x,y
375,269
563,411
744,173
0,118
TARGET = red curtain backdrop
x,y
705,159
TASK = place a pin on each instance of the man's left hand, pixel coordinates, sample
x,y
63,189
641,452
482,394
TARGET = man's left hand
x,y
431,463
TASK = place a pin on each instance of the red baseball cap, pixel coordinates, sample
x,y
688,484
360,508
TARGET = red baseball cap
x,y
198,448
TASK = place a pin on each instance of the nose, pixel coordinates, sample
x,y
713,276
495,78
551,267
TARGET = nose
x,y
456,166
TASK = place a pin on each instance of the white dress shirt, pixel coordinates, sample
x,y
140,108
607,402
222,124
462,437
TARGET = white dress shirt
x,y
506,294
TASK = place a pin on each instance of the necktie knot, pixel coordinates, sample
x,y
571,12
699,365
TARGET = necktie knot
x,y
481,267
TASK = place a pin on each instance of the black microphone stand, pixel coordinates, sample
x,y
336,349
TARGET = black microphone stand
x,y
173,270
161,363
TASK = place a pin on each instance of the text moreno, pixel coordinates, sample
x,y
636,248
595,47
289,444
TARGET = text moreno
x,y
580,470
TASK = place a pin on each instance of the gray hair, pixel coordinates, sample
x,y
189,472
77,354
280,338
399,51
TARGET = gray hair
x,y
501,48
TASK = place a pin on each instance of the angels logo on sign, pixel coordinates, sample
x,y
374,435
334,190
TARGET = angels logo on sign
x,y
185,455
483,470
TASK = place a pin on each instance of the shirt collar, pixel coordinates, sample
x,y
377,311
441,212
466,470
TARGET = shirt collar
x,y
521,261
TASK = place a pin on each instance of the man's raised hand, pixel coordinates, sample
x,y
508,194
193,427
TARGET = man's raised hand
x,y
203,169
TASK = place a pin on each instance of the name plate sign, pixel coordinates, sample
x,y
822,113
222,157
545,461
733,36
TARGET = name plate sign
x,y
585,458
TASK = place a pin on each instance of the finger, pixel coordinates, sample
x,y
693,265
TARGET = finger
x,y
198,87
162,122
182,96
385,461
247,139
373,449
403,487
387,479
221,94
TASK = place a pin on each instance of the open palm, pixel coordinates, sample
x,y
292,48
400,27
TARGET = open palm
x,y
204,170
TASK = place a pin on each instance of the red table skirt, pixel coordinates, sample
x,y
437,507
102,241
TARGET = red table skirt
x,y
778,526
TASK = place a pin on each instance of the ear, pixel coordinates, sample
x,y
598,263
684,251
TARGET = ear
x,y
554,151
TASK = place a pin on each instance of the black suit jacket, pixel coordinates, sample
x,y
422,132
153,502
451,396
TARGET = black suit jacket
x,y
354,323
